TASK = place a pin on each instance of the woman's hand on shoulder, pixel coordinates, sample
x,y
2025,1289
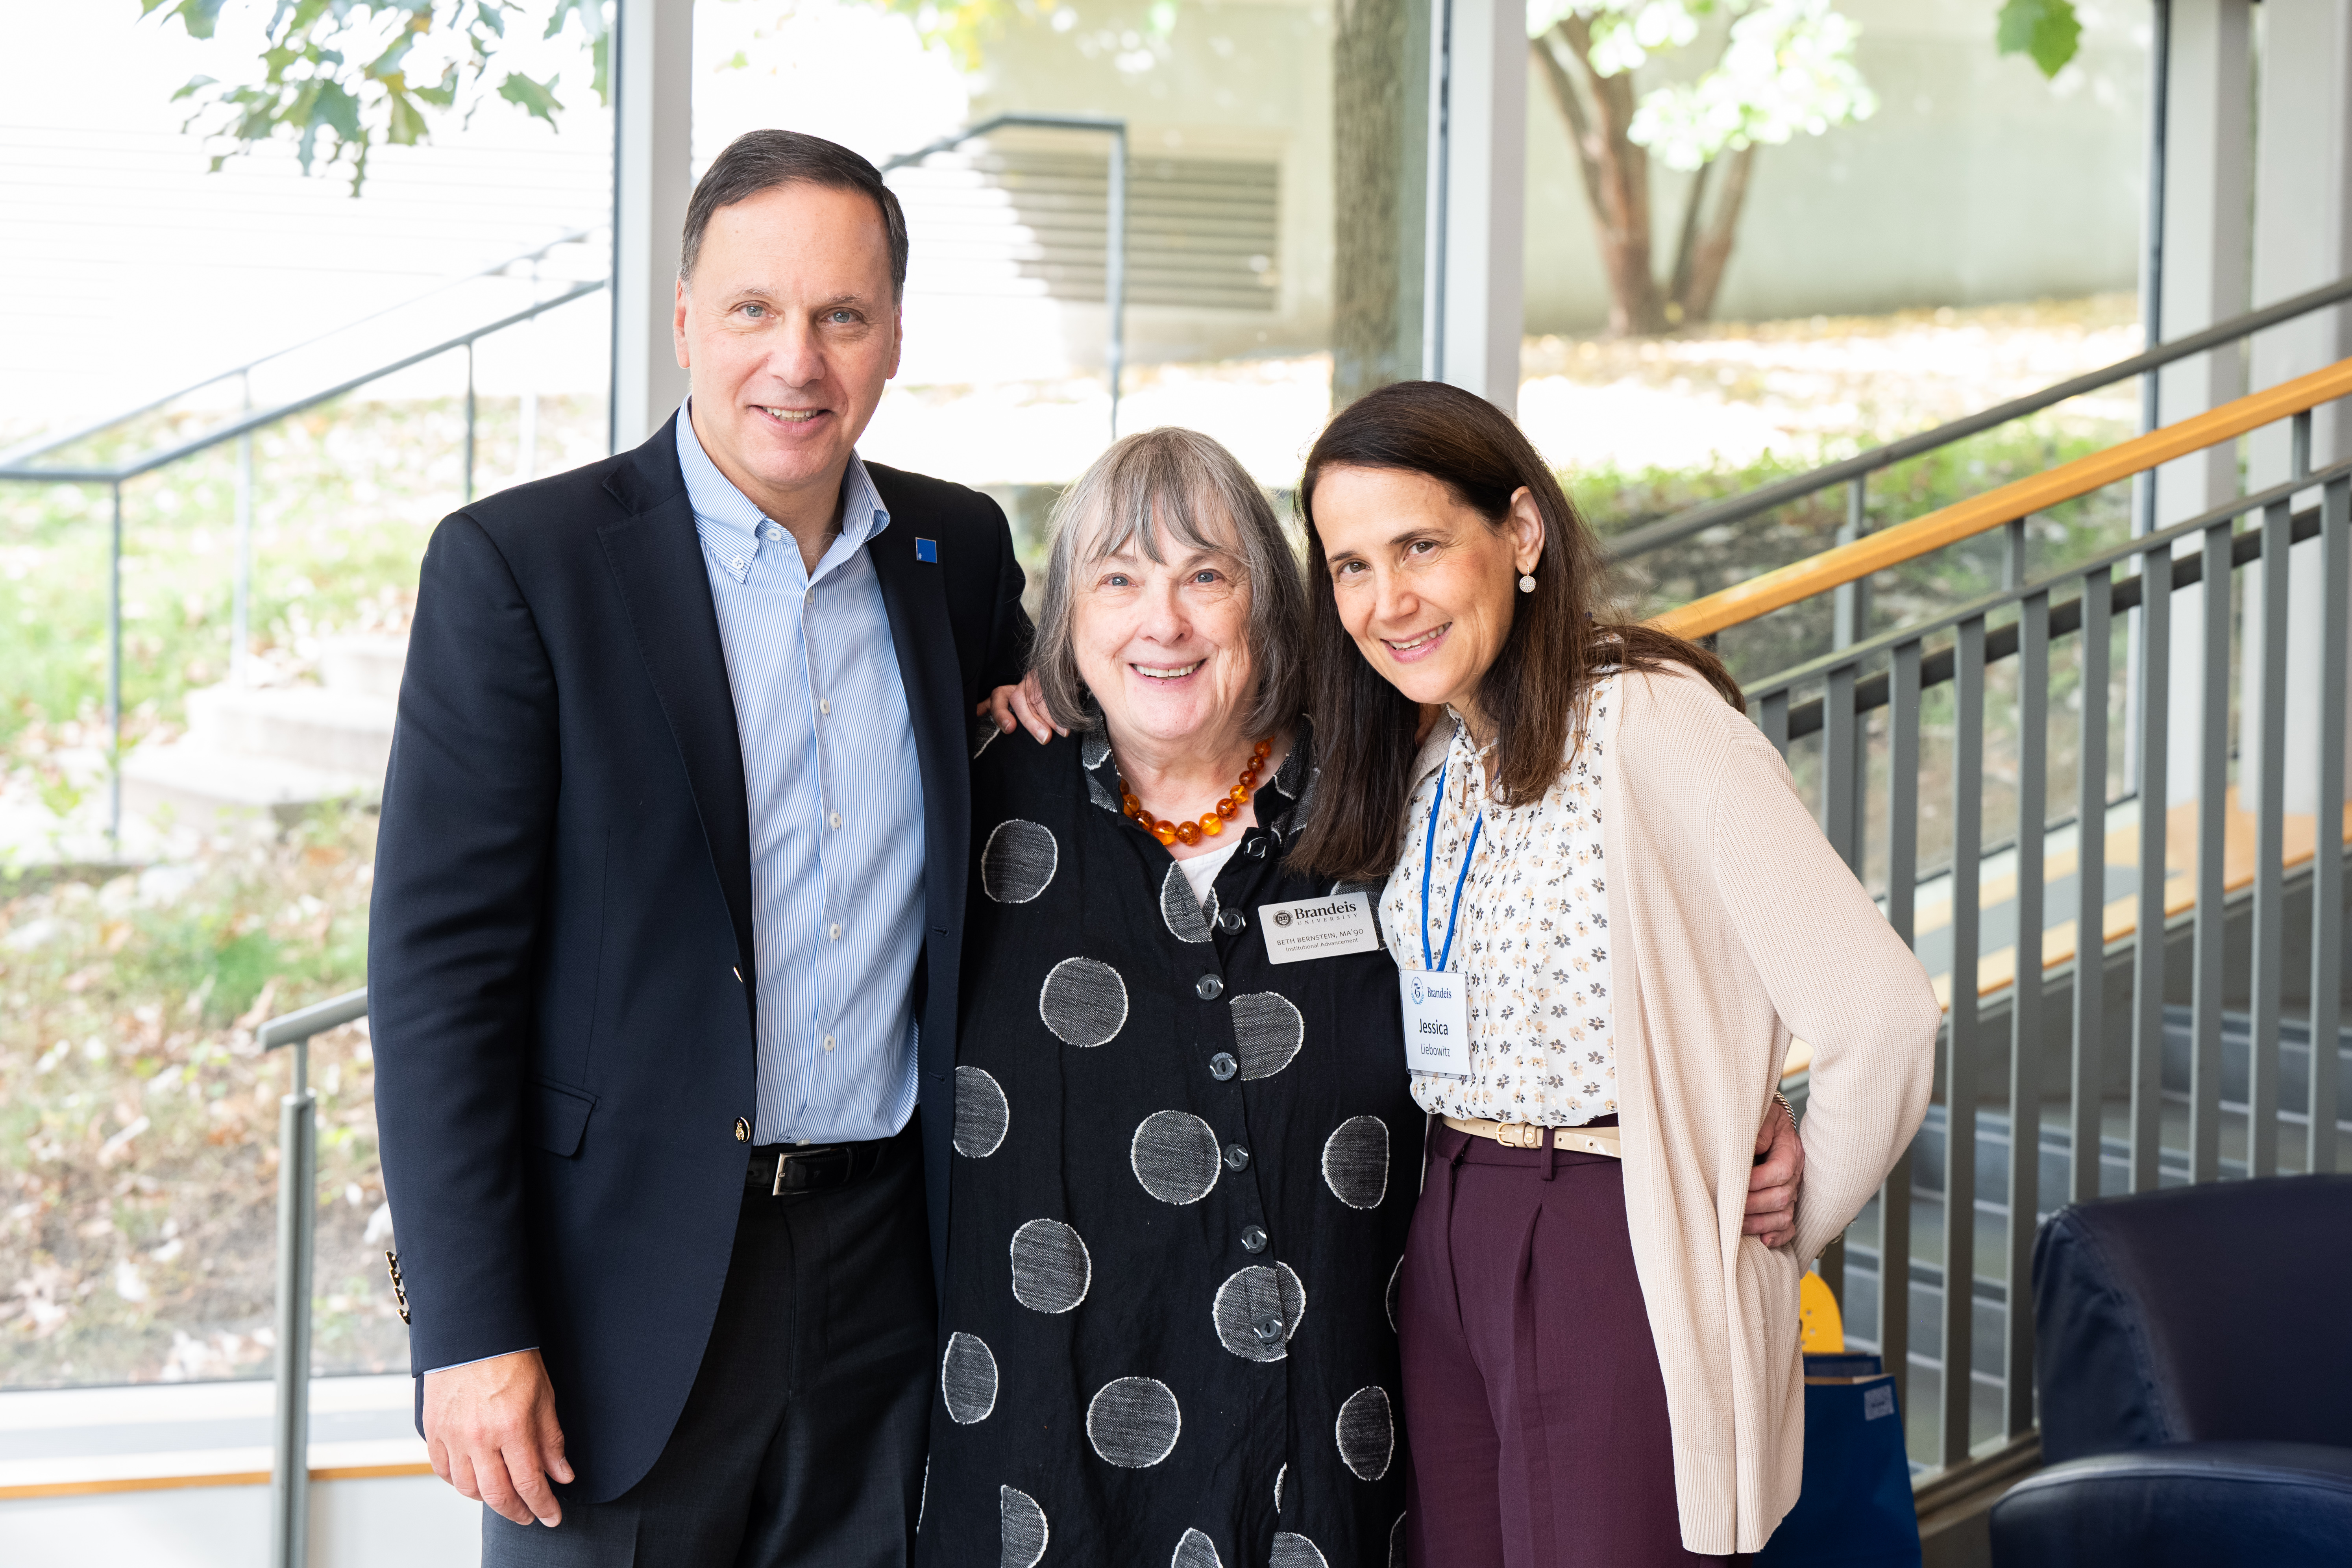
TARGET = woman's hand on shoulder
x,y
1023,705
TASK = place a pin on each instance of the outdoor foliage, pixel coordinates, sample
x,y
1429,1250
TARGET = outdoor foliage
x,y
1780,67
2048,30
368,73
138,1123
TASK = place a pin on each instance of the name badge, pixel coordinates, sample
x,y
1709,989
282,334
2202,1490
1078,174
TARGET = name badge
x,y
1437,1022
1318,928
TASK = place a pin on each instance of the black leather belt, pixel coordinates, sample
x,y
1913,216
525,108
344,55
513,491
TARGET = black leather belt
x,y
781,1169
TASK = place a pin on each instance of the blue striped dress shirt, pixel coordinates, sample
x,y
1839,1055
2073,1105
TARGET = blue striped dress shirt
x,y
835,798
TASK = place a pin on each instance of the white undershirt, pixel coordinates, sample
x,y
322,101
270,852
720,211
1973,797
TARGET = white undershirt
x,y
1201,871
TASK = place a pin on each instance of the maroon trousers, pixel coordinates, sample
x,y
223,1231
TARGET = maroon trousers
x,y
1534,1411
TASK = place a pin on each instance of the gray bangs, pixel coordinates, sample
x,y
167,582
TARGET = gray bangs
x,y
1161,493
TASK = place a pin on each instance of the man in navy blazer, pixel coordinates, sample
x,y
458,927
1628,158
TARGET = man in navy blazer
x,y
668,906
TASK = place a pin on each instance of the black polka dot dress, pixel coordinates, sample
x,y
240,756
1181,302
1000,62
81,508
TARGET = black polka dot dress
x,y
1183,1179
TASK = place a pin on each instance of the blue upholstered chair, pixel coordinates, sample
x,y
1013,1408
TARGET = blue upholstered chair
x,y
2193,1354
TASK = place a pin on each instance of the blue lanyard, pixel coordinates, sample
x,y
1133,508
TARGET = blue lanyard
x,y
1428,850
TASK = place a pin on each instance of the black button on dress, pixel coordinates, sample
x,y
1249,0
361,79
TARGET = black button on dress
x,y
1182,1180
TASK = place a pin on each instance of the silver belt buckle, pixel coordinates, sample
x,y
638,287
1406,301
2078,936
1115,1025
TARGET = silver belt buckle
x,y
776,1189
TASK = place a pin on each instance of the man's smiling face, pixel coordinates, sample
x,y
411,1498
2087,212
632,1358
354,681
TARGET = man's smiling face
x,y
788,329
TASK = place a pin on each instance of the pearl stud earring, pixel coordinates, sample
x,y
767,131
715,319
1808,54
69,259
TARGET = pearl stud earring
x,y
1526,583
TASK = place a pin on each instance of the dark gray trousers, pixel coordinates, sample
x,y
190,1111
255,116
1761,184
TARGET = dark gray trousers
x,y
803,1441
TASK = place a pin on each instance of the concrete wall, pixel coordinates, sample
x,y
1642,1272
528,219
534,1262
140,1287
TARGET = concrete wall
x,y
1976,181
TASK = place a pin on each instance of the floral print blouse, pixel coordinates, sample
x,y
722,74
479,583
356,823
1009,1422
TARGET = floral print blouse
x,y
1531,938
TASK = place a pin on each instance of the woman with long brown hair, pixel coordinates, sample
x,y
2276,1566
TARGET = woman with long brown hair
x,y
1610,912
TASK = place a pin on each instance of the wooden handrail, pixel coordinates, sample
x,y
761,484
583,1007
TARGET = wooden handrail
x,y
2021,497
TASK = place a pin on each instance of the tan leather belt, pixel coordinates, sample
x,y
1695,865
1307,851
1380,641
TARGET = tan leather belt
x,y
1526,1135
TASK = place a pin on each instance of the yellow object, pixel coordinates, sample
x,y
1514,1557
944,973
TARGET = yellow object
x,y
1817,1311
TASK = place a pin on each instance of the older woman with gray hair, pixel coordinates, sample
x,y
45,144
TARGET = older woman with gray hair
x,y
1184,1143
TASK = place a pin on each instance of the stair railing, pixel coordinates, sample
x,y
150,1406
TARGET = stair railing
x,y
239,429
2200,867
1852,613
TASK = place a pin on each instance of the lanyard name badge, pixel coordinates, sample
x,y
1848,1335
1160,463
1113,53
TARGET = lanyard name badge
x,y
1437,1000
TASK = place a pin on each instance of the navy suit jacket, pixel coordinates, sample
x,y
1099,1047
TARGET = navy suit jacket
x,y
560,967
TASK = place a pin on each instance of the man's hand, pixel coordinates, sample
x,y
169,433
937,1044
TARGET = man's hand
x,y
490,1428
1024,705
1772,1186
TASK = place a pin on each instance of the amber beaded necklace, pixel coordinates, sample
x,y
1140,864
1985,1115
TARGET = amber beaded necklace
x,y
1211,821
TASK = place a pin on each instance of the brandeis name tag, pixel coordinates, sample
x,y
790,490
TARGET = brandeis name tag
x,y
1437,1022
1318,928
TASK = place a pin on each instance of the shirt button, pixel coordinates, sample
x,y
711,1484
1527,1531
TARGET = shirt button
x,y
1268,1330
1230,922
1253,1240
809,597
774,533
828,1042
835,820
1254,848
1209,987
1236,1158
823,705
837,931
1222,1066
743,1131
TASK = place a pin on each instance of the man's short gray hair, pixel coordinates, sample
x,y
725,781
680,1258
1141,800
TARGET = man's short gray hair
x,y
1182,485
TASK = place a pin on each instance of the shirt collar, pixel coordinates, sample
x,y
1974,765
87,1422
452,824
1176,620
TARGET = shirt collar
x,y
715,499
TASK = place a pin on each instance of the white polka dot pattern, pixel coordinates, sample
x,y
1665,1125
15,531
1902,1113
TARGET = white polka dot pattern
x,y
1195,1551
1396,1277
1187,921
1083,1002
1050,1267
1356,1161
1278,1478
981,1114
1257,1309
1366,1433
1134,1422
1175,1156
1396,1543
1018,862
1022,1531
1268,1032
1294,1551
967,1381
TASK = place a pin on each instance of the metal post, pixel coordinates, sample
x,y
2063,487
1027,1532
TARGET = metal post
x,y
2159,113
289,1476
2088,1088
1902,894
1115,267
2206,966
2270,860
469,420
114,679
2025,1003
241,608
2153,665
2327,861
1850,619
1960,1062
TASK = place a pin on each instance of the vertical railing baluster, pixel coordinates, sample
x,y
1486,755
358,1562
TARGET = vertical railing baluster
x,y
2025,1005
2212,816
114,677
2270,853
2012,554
2153,707
1842,822
2327,858
2086,1088
1774,720
1902,893
1960,1063
241,596
469,420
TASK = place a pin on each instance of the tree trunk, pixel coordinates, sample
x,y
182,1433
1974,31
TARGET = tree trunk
x,y
1616,170
1697,284
1379,151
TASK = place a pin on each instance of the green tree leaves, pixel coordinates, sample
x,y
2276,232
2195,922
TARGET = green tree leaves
x,y
2048,30
343,77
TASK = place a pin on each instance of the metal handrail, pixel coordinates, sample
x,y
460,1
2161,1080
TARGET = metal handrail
x,y
298,1197
1115,224
12,456
1736,509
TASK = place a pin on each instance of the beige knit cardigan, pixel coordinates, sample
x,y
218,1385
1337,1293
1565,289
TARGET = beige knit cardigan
x,y
1733,926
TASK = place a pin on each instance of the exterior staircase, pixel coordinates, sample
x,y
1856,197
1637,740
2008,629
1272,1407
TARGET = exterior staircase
x,y
280,749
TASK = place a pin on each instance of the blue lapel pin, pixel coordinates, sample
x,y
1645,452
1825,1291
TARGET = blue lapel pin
x,y
928,550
